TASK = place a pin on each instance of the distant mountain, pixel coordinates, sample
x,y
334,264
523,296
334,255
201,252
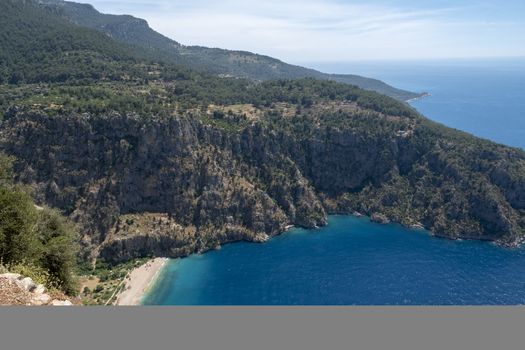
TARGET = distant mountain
x,y
39,45
135,31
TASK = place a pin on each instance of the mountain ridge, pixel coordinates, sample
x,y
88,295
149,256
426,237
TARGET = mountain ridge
x,y
234,63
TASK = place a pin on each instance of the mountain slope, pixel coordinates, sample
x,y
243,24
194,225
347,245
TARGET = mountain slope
x,y
242,64
159,160
39,45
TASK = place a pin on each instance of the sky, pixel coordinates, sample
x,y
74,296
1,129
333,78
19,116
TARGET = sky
x,y
303,31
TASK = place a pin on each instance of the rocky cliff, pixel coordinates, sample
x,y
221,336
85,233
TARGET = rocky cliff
x,y
171,186
98,168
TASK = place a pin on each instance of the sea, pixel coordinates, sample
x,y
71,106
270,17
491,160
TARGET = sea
x,y
353,261
483,97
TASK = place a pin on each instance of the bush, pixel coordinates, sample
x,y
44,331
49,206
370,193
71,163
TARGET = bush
x,y
18,237
39,244
59,248
103,277
38,274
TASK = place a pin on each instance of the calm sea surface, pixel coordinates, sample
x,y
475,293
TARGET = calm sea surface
x,y
350,262
355,262
483,97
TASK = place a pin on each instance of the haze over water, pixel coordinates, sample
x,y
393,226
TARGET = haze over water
x,y
355,262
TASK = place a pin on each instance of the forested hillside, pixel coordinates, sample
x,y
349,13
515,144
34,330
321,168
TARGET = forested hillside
x,y
240,64
154,159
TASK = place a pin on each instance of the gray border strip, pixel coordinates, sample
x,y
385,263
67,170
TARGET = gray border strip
x,y
494,328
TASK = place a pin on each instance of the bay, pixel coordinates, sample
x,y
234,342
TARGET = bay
x,y
353,261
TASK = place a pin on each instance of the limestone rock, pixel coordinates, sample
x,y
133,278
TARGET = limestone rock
x,y
380,219
11,276
261,238
28,284
40,289
17,290
40,299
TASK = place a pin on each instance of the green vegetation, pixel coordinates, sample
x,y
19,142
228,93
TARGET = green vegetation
x,y
164,98
107,280
239,64
103,130
135,33
38,243
73,68
45,47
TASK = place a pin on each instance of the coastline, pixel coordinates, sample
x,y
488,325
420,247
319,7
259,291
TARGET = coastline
x,y
138,282
423,95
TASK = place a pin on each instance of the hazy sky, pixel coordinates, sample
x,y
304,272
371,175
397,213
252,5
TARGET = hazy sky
x,y
339,30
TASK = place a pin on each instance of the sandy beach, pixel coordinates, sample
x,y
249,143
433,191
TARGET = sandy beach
x,y
138,281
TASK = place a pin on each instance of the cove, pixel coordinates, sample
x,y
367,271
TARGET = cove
x,y
351,261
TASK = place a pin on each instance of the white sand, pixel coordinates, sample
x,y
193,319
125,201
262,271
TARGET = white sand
x,y
139,280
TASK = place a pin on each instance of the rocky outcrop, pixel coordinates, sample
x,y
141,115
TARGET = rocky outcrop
x,y
18,290
379,218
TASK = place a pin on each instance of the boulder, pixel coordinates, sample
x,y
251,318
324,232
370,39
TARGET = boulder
x,y
41,299
27,284
11,276
40,289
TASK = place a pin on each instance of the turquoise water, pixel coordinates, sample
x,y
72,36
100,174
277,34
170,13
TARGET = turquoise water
x,y
355,262
350,262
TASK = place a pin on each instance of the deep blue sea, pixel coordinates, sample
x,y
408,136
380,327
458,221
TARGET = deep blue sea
x,y
350,262
355,262
483,97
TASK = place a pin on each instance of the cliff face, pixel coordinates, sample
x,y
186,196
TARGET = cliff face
x,y
173,186
98,168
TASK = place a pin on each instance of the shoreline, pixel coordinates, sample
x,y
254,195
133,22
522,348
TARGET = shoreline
x,y
137,283
139,280
423,95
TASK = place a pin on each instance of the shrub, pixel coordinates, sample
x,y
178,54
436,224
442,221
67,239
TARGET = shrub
x,y
38,274
40,244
